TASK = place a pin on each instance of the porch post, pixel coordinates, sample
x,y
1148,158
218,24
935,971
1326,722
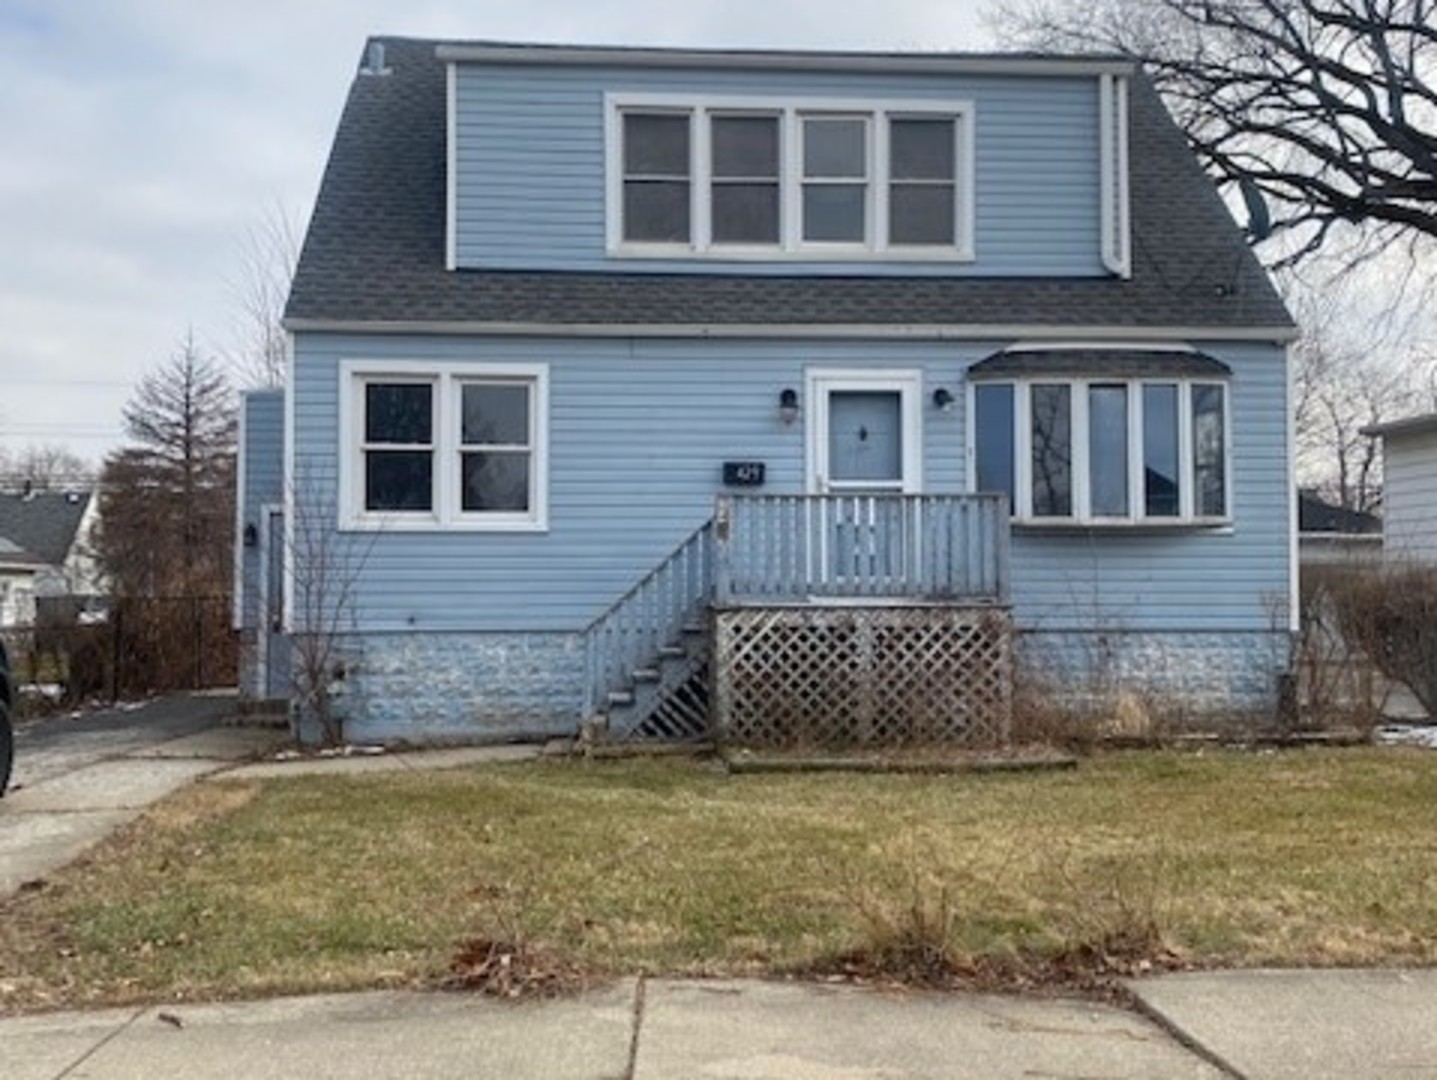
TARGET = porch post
x,y
723,549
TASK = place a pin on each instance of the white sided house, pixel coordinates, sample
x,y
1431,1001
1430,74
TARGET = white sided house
x,y
46,551
1409,487
801,396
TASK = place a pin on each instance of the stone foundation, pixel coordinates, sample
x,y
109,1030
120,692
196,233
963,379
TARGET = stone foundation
x,y
1197,678
458,687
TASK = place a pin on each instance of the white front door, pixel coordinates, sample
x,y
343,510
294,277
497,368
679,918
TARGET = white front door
x,y
865,443
865,436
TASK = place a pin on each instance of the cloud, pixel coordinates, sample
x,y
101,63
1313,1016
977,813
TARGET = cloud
x,y
144,138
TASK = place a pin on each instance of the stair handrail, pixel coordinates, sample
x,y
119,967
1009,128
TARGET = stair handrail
x,y
650,615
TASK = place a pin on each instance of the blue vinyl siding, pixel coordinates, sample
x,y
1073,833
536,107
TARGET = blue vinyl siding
x,y
262,418
639,431
530,163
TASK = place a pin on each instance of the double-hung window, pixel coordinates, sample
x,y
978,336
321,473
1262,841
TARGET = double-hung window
x,y
657,167
745,193
756,178
443,446
835,179
1098,450
397,446
922,181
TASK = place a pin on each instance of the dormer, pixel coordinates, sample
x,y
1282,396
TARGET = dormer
x,y
693,161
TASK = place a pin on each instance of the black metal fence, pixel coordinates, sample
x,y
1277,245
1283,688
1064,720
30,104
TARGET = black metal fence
x,y
120,649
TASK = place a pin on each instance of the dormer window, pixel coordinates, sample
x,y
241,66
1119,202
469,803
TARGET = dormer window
x,y
922,181
835,179
751,178
744,198
657,158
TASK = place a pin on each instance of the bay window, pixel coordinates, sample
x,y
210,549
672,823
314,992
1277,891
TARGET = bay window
x,y
1103,450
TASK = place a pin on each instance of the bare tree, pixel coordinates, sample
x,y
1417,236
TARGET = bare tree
x,y
44,467
1346,377
167,497
268,255
1323,111
324,567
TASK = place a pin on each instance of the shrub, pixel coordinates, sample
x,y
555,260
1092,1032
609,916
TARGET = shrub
x,y
1391,615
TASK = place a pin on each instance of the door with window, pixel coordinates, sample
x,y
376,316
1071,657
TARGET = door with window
x,y
864,448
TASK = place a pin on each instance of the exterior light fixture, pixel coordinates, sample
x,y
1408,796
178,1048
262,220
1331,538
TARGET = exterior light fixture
x,y
943,399
788,405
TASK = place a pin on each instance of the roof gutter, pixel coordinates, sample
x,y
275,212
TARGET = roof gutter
x,y
826,331
1407,425
772,60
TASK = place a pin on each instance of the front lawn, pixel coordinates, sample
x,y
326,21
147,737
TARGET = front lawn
x,y
1225,857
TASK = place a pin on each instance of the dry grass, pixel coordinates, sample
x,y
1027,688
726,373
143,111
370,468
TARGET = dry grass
x,y
1311,857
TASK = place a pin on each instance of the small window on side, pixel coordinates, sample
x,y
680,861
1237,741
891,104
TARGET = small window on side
x,y
1209,450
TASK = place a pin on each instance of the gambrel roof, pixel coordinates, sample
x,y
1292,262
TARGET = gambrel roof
x,y
374,254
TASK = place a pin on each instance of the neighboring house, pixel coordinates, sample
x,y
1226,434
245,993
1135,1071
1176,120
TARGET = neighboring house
x,y
637,381
1409,486
45,550
259,546
1330,534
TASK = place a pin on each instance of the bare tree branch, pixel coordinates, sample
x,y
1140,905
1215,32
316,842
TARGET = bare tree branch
x,y
1328,107
268,255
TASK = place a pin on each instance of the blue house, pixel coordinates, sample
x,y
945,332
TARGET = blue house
x,y
801,392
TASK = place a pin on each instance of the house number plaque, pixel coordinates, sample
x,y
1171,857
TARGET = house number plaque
x,y
743,473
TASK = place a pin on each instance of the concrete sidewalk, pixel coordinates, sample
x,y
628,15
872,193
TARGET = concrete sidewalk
x,y
1259,1025
659,1030
1294,1025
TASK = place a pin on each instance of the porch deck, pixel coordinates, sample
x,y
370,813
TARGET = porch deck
x,y
867,619
865,548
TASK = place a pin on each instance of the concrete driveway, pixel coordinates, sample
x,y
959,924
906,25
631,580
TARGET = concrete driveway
x,y
78,778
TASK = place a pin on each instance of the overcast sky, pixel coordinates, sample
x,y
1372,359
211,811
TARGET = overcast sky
x,y
143,139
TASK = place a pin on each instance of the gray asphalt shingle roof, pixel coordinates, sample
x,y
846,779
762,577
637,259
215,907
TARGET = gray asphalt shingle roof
x,y
42,524
375,247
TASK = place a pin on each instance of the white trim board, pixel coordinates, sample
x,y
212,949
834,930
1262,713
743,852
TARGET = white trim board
x,y
776,60
1069,332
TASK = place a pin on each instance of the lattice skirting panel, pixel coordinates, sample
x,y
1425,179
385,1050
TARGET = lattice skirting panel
x,y
862,676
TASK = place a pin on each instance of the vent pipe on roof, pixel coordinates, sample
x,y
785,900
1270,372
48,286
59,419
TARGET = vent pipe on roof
x,y
374,61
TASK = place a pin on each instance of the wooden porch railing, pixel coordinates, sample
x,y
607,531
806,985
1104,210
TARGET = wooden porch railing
x,y
914,547
649,617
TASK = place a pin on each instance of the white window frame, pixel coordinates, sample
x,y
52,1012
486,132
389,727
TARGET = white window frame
x,y
790,111
448,379
1022,509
